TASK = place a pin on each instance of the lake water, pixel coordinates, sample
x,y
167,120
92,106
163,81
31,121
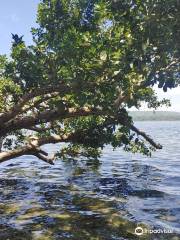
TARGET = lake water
x,y
95,200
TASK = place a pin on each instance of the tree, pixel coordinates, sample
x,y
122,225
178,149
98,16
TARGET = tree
x,y
89,63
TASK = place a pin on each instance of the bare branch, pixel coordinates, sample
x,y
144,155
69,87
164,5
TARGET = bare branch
x,y
25,150
44,158
147,137
33,148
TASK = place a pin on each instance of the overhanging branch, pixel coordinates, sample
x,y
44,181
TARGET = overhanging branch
x,y
146,137
47,116
33,148
18,108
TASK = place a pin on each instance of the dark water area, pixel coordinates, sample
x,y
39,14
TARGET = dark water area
x,y
80,199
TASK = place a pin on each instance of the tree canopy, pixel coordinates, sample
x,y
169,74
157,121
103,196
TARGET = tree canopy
x,y
90,61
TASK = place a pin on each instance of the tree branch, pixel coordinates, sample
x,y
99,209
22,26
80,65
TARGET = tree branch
x,y
47,159
39,129
33,148
145,136
47,116
16,109
52,89
34,144
37,103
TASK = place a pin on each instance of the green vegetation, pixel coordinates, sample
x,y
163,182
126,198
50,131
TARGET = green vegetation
x,y
91,61
155,116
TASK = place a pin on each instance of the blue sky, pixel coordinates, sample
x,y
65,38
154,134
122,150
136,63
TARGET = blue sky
x,y
18,16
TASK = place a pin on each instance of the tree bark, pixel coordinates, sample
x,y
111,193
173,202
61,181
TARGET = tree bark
x,y
45,117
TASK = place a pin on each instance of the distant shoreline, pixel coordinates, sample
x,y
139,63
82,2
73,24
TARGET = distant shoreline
x,y
155,116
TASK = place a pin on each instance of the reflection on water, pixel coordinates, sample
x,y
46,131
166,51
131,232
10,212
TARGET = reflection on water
x,y
94,200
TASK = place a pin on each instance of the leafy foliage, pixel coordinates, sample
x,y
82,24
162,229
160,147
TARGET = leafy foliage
x,y
106,52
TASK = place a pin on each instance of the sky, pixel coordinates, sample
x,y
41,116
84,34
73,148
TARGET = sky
x,y
18,16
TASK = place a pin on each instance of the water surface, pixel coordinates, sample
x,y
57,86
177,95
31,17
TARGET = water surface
x,y
94,200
